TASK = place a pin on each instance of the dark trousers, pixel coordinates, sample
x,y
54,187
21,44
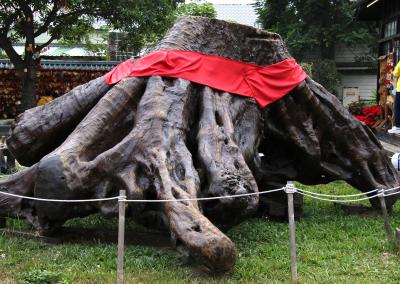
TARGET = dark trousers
x,y
397,110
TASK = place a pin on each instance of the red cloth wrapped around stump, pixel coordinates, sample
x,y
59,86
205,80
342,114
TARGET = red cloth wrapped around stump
x,y
264,84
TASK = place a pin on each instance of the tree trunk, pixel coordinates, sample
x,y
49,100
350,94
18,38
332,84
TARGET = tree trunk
x,y
28,82
163,138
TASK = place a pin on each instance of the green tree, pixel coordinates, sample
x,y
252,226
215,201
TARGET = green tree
x,y
3,55
72,20
205,9
129,42
313,28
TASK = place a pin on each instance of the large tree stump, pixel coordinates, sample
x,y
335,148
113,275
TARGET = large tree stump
x,y
163,138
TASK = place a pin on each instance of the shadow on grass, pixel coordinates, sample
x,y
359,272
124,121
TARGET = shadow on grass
x,y
79,235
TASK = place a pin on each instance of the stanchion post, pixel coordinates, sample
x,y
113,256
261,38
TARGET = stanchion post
x,y
388,229
290,191
121,236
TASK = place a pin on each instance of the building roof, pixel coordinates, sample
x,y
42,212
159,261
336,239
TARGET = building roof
x,y
240,13
68,65
369,10
76,51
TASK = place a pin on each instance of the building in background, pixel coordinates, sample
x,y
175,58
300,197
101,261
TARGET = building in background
x,y
117,46
357,77
94,47
386,13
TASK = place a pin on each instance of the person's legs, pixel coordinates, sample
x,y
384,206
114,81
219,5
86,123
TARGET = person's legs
x,y
396,126
397,110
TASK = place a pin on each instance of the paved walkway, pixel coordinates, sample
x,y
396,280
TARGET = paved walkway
x,y
390,142
390,148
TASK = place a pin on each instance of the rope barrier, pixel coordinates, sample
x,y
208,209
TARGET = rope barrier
x,y
337,200
122,198
207,198
58,200
314,195
338,196
393,188
390,194
289,189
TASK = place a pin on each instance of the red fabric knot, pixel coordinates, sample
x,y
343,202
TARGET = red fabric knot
x,y
265,84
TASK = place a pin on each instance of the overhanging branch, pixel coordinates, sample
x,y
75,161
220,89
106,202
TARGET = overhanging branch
x,y
6,45
62,20
50,18
38,48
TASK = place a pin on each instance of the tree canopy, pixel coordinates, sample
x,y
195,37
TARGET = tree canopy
x,y
26,20
71,19
205,9
315,27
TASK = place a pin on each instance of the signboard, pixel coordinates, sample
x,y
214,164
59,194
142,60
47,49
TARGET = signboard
x,y
350,95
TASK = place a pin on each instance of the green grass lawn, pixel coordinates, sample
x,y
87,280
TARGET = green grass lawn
x,y
333,247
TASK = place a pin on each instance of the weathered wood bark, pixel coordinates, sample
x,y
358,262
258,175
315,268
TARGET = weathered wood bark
x,y
162,138
57,120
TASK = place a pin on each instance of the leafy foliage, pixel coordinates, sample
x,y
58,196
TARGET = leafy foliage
x,y
325,72
205,9
3,55
313,24
41,277
312,29
71,20
307,67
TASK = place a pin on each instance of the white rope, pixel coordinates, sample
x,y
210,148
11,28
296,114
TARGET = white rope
x,y
314,195
58,200
390,194
337,200
122,198
337,196
393,188
351,195
206,198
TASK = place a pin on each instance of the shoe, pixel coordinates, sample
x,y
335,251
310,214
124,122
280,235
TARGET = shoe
x,y
394,130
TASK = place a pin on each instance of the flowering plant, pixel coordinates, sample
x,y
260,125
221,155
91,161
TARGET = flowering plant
x,y
371,111
369,115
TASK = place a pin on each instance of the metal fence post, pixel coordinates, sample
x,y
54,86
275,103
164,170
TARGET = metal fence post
x,y
388,229
290,190
121,236
397,237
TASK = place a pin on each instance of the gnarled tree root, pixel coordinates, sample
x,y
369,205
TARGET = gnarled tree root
x,y
166,139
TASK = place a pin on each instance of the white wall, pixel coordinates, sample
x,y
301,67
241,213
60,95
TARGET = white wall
x,y
365,83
